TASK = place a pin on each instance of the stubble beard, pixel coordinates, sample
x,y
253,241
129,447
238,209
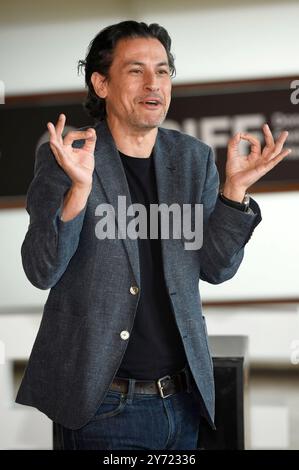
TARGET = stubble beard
x,y
141,122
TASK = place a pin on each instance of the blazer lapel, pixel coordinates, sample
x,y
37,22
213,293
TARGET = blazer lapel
x,y
111,173
165,170
168,188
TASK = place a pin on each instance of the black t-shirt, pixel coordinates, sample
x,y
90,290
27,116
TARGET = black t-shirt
x,y
155,346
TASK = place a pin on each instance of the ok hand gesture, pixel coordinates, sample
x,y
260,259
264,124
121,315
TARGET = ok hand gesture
x,y
244,171
78,163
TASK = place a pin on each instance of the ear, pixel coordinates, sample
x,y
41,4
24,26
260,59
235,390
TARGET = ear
x,y
99,83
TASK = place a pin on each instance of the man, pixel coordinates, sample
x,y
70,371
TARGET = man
x,y
121,359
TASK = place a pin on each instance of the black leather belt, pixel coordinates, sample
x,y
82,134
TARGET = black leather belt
x,y
165,386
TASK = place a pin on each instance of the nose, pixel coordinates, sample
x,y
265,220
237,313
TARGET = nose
x,y
150,82
152,87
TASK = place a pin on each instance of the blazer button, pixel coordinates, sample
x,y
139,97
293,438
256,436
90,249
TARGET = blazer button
x,y
125,335
134,290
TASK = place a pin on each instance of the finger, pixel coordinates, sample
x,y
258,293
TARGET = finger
x,y
255,143
56,149
268,135
75,135
90,141
52,131
61,158
280,141
274,161
60,125
233,143
270,153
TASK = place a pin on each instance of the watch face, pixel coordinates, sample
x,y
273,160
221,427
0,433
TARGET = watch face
x,y
246,200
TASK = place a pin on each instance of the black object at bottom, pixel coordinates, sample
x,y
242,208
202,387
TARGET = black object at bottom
x,y
230,371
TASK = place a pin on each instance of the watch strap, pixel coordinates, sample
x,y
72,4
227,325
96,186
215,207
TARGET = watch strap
x,y
243,206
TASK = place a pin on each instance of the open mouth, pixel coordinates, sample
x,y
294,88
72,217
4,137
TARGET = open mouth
x,y
151,103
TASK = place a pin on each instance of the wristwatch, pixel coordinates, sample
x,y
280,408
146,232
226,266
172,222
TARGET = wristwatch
x,y
243,206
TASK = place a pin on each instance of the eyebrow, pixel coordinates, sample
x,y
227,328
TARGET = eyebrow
x,y
136,62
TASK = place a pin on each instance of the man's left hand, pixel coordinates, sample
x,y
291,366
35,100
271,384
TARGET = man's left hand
x,y
243,171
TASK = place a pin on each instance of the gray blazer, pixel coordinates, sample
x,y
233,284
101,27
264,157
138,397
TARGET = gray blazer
x,y
79,346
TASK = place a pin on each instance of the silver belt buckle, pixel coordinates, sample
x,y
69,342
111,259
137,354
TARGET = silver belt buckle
x,y
160,386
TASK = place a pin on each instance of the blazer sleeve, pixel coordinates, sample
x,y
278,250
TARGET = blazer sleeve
x,y
49,243
226,230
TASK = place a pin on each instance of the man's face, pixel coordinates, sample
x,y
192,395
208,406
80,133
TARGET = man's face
x,y
138,89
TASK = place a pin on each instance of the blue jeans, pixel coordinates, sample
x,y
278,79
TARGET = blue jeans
x,y
137,421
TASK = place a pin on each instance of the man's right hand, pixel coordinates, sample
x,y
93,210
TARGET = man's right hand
x,y
78,163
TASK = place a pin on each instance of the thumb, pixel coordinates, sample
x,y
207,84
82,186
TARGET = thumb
x,y
90,142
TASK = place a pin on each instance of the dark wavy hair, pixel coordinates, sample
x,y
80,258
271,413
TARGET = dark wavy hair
x,y
100,51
